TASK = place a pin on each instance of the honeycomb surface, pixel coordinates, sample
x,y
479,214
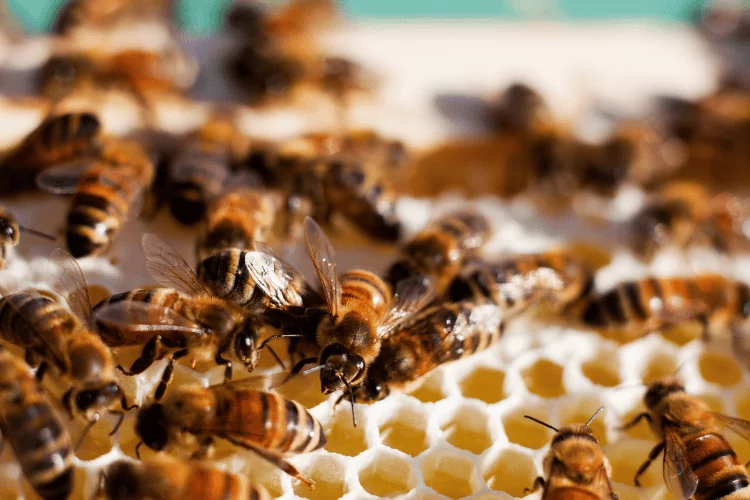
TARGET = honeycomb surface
x,y
460,432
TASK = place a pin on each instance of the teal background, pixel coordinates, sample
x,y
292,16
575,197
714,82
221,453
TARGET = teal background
x,y
203,16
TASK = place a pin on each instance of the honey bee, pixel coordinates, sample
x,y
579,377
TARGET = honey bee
x,y
10,234
104,14
59,139
263,422
556,277
35,430
64,338
105,192
441,333
575,465
651,304
360,313
440,249
182,316
698,461
162,478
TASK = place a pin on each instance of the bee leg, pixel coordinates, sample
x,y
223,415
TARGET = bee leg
x,y
41,371
538,483
149,354
227,366
651,457
168,374
278,462
299,366
635,421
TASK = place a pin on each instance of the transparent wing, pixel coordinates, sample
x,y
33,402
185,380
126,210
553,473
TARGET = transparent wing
x,y
601,483
322,255
275,278
142,316
255,382
266,249
678,476
68,279
411,296
167,266
62,179
737,425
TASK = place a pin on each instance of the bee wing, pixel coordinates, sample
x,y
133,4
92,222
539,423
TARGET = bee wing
x,y
601,483
255,382
678,475
737,425
322,255
167,266
68,279
62,179
411,296
274,277
142,316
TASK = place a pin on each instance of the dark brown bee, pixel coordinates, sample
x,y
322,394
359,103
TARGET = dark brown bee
x,y
440,334
105,192
650,304
162,478
10,234
65,339
698,461
441,248
360,313
58,140
556,277
183,319
575,465
35,431
262,422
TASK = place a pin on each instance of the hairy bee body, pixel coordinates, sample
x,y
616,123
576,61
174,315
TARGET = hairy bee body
x,y
10,234
161,478
35,431
197,175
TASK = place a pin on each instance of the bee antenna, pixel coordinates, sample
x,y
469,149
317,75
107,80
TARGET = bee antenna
x,y
121,416
279,336
37,233
313,369
351,399
138,450
85,432
540,422
594,415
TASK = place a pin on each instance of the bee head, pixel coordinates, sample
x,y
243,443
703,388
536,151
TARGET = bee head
x,y
341,368
245,347
9,229
122,481
151,426
660,390
219,321
372,389
98,397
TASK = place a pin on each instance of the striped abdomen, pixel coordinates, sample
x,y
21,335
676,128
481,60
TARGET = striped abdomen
x,y
53,323
100,205
715,464
268,420
570,493
225,275
365,293
198,176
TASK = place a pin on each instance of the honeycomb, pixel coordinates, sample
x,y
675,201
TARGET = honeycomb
x,y
460,433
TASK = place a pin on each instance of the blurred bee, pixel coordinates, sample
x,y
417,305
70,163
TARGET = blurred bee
x,y
65,338
59,139
651,304
360,313
182,317
556,277
440,334
35,430
575,465
441,248
698,461
162,478
262,422
105,14
105,192
10,234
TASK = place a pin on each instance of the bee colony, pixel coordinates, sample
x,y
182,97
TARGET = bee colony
x,y
582,218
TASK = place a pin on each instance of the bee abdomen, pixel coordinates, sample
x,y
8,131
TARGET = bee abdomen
x,y
715,463
226,275
366,291
570,493
93,218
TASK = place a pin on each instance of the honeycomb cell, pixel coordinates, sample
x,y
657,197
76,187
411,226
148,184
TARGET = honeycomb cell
x,y
544,378
450,473
642,430
719,369
512,472
430,389
97,293
468,429
525,432
580,411
658,367
603,369
406,431
627,456
343,437
682,334
328,474
96,442
388,475
484,383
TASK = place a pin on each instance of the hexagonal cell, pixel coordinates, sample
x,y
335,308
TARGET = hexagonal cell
x,y
484,383
512,472
468,429
580,411
388,475
544,378
96,442
627,456
430,388
328,474
343,437
525,432
682,334
450,473
719,369
405,431
602,369
642,430
658,367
